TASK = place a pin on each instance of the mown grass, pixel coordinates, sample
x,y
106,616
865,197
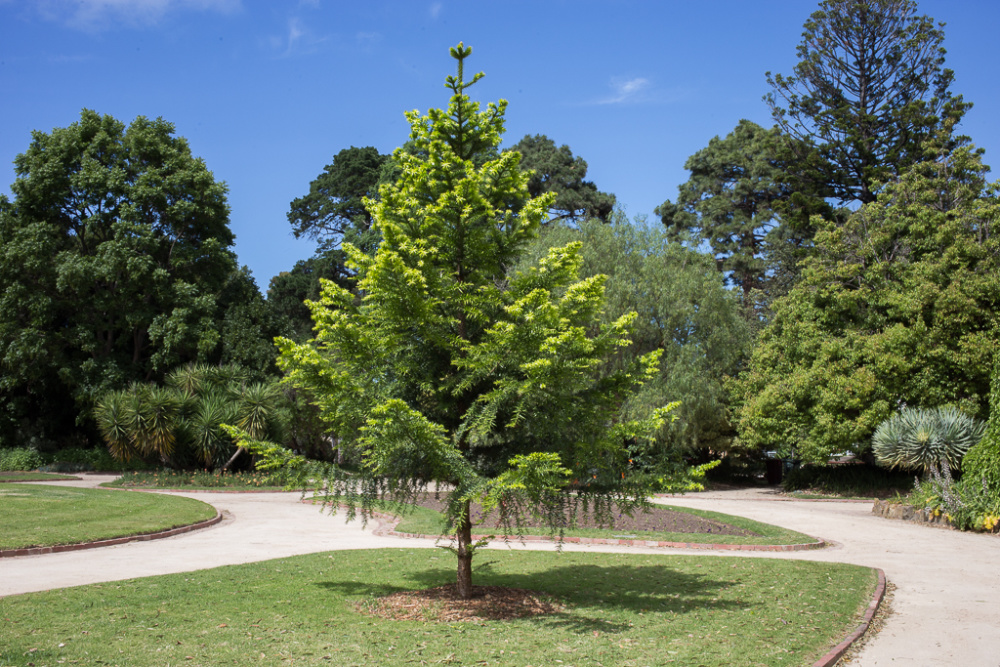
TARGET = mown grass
x,y
198,480
429,522
620,609
31,476
40,516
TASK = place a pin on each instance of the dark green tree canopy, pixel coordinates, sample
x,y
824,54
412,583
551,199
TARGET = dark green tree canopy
x,y
749,200
334,205
557,170
869,90
896,307
112,256
289,290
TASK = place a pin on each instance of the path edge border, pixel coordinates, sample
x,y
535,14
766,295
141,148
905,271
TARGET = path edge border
x,y
141,537
838,651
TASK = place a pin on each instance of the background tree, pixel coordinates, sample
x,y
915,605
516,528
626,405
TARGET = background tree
x,y
688,315
447,369
869,90
248,327
334,206
113,255
557,170
289,290
748,199
897,307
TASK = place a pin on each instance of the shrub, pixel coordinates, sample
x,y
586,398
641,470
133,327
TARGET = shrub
x,y
77,459
982,461
848,479
20,458
921,439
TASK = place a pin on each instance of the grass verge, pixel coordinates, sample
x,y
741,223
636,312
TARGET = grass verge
x,y
198,480
620,609
43,516
33,476
429,522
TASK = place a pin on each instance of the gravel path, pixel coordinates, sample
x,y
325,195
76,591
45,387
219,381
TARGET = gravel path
x,y
946,609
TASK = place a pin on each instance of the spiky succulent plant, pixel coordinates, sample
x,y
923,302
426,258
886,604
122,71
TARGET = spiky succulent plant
x,y
919,438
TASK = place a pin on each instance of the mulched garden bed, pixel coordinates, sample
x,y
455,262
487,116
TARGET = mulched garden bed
x,y
442,604
657,519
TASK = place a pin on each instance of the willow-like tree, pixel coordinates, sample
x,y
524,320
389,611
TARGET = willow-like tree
x,y
447,372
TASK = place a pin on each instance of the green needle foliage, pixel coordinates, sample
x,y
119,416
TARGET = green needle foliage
x,y
448,371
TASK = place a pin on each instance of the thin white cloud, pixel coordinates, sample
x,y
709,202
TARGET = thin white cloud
x,y
103,14
435,9
626,90
298,40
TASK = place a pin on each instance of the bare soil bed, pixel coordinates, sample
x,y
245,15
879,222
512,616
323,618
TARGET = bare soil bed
x,y
656,519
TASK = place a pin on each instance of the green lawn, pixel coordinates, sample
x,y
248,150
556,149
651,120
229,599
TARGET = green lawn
x,y
620,610
33,476
429,522
39,515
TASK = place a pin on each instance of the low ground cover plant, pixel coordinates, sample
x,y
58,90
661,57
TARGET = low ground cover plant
x,y
40,515
20,458
614,609
199,479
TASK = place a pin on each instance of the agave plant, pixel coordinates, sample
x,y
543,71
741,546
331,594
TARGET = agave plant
x,y
921,439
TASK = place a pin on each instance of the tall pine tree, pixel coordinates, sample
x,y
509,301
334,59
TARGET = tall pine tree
x,y
449,371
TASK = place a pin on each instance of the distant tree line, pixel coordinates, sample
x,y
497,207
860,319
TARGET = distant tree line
x,y
854,235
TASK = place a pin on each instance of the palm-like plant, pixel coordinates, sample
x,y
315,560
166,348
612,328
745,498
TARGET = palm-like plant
x,y
921,439
112,413
259,414
153,420
210,442
182,421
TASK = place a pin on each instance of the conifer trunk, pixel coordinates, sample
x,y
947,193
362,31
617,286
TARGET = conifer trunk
x,y
463,534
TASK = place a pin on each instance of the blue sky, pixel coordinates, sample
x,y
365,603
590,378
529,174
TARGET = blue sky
x,y
267,92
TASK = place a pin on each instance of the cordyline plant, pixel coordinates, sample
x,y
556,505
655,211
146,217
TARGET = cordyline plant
x,y
449,374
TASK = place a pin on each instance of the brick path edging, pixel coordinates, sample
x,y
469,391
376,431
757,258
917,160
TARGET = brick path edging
x,y
838,651
142,537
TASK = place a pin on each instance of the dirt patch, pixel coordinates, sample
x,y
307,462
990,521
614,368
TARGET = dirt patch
x,y
656,519
442,604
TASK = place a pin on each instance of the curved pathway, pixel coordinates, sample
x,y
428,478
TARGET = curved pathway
x,y
946,609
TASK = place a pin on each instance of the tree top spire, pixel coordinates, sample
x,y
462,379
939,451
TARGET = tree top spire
x,y
458,84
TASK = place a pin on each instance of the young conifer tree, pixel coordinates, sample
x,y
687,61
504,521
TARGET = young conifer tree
x,y
447,372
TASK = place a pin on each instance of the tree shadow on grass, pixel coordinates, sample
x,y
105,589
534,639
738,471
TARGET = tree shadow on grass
x,y
590,592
